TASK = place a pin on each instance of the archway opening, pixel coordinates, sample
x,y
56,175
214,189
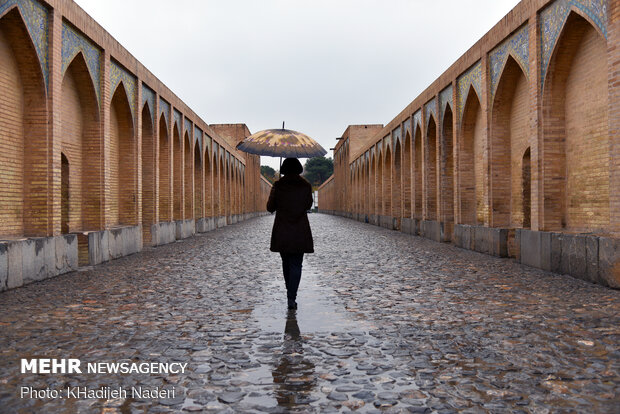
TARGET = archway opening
x,y
431,170
164,171
576,141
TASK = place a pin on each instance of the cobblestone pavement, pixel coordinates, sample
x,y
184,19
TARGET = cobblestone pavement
x,y
386,322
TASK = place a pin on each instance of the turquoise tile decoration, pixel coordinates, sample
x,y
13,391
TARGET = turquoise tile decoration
x,y
35,17
430,108
407,126
417,121
396,137
177,123
445,99
472,77
187,125
198,137
148,97
164,108
119,75
74,42
516,46
552,20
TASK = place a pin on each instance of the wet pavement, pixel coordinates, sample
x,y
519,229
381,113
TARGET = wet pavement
x,y
387,322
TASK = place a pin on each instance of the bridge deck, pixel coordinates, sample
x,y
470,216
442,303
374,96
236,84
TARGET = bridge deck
x,y
384,319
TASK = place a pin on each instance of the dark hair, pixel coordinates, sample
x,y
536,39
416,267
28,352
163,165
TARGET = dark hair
x,y
291,166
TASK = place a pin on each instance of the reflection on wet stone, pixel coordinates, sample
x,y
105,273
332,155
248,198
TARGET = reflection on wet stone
x,y
386,323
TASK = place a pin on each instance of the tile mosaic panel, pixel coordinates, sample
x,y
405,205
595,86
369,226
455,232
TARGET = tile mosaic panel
x,y
148,97
516,46
73,42
417,121
188,127
118,74
164,108
396,136
177,121
430,108
552,20
445,98
387,143
473,77
35,18
407,126
198,137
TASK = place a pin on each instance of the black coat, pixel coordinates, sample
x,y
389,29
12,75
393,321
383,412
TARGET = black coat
x,y
290,198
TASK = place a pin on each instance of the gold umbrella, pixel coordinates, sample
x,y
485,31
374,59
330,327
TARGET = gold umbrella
x,y
283,143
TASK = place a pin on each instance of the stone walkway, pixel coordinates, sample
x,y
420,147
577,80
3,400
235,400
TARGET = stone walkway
x,y
386,322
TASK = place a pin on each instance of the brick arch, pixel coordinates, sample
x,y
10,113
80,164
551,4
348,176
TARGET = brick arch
x,y
177,173
526,187
379,183
216,185
576,140
430,168
372,186
407,172
509,138
208,180
165,205
123,172
470,167
227,193
23,133
446,195
417,180
81,144
198,183
223,187
188,182
397,181
148,172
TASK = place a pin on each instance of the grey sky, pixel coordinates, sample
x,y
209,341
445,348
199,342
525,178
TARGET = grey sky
x,y
319,65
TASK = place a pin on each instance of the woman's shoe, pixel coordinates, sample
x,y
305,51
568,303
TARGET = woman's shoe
x,y
292,304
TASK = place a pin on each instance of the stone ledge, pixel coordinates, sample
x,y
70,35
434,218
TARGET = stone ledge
x,y
592,258
30,260
488,240
185,228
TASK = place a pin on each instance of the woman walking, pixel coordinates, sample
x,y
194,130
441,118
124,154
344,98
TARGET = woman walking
x,y
290,198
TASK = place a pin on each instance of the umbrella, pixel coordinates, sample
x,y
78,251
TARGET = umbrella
x,y
283,143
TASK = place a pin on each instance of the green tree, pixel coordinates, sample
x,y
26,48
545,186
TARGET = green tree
x,y
318,169
268,172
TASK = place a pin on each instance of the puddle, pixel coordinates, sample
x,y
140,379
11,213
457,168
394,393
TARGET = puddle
x,y
317,310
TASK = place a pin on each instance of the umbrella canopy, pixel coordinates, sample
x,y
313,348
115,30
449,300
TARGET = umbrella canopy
x,y
284,143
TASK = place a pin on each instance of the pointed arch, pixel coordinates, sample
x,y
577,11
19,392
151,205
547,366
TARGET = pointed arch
x,y
198,184
122,184
576,141
447,166
430,168
471,151
177,190
208,183
397,181
23,133
165,176
148,173
216,185
417,153
509,139
81,143
407,171
372,185
379,184
188,178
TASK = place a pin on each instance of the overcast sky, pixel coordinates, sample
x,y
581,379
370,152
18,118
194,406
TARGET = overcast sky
x,y
319,65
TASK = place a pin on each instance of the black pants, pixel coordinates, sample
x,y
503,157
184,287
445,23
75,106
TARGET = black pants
x,y
291,267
